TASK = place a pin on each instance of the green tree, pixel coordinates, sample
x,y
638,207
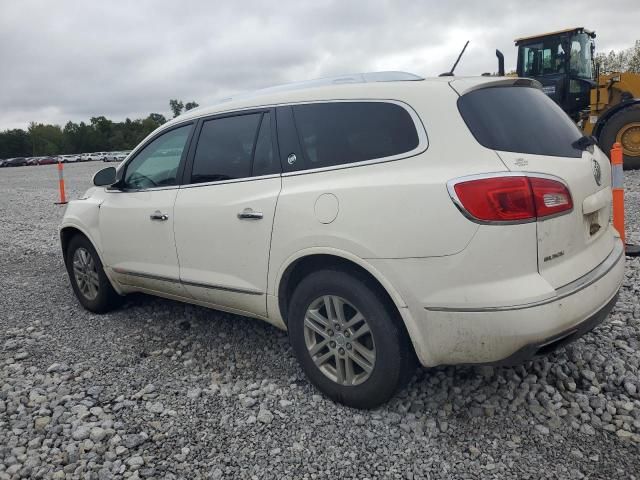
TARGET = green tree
x,y
14,143
176,107
45,139
627,60
159,119
190,105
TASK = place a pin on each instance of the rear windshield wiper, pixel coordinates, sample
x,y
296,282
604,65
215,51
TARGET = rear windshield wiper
x,y
583,143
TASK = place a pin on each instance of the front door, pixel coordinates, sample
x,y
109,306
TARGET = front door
x,y
137,218
224,212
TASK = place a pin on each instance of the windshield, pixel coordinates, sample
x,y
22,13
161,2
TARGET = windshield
x,y
547,57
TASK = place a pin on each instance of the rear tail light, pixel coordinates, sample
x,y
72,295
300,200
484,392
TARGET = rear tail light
x,y
551,196
510,198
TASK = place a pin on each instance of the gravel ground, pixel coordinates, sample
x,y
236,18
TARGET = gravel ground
x,y
159,389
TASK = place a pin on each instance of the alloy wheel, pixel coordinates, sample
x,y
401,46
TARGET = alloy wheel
x,y
86,273
339,340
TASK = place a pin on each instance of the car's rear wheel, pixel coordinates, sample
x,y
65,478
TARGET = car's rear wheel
x,y
88,280
349,341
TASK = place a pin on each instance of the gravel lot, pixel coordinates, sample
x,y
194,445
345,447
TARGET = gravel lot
x,y
158,389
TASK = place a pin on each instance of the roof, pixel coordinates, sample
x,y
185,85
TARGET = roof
x,y
557,32
276,93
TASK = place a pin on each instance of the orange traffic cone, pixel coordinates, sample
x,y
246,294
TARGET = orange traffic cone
x,y
63,197
617,186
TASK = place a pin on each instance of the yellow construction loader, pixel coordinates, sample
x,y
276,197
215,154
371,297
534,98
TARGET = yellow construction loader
x,y
606,106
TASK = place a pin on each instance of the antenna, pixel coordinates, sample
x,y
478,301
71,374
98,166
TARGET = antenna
x,y
500,63
450,72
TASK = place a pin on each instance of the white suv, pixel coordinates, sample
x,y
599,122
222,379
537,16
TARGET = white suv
x,y
379,218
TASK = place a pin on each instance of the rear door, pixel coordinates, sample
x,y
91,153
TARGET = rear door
x,y
224,212
530,133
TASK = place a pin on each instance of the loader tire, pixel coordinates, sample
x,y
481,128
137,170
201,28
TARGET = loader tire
x,y
624,127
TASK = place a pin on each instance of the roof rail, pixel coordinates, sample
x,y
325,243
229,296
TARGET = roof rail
x,y
370,77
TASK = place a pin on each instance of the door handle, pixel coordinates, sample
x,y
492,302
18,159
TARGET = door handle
x,y
249,214
158,215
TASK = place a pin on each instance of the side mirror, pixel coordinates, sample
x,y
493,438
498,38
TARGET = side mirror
x,y
104,177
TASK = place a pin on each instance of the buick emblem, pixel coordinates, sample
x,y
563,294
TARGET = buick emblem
x,y
597,172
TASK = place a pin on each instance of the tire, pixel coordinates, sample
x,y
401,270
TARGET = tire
x,y
394,359
611,128
88,261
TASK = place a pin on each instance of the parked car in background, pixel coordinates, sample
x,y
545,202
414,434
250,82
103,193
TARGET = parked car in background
x,y
2,163
47,160
32,161
16,162
98,156
339,211
70,158
116,156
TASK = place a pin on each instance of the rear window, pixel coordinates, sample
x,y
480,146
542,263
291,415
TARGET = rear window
x,y
519,119
339,133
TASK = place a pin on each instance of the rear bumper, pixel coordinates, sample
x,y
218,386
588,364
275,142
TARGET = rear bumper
x,y
554,342
513,333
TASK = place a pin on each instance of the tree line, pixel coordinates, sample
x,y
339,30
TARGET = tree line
x,y
627,60
98,135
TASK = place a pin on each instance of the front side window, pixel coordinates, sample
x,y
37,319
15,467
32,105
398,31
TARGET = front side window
x,y
339,133
228,147
156,165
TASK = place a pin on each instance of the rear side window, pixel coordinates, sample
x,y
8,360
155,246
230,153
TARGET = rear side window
x,y
519,119
235,147
339,133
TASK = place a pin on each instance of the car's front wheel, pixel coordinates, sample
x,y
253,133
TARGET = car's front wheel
x,y
348,340
88,280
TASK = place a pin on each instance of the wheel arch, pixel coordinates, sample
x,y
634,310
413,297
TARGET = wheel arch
x,y
315,259
306,262
67,232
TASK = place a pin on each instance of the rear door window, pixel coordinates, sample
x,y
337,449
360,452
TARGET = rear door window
x,y
228,147
340,133
519,119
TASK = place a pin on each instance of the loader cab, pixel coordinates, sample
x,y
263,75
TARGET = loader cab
x,y
563,63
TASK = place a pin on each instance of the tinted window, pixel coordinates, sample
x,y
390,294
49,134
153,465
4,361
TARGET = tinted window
x,y
519,119
225,148
347,132
264,160
156,165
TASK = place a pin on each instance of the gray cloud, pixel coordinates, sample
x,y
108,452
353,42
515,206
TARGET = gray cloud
x,y
70,60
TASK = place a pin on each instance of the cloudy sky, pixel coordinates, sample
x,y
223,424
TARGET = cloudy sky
x,y
70,60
